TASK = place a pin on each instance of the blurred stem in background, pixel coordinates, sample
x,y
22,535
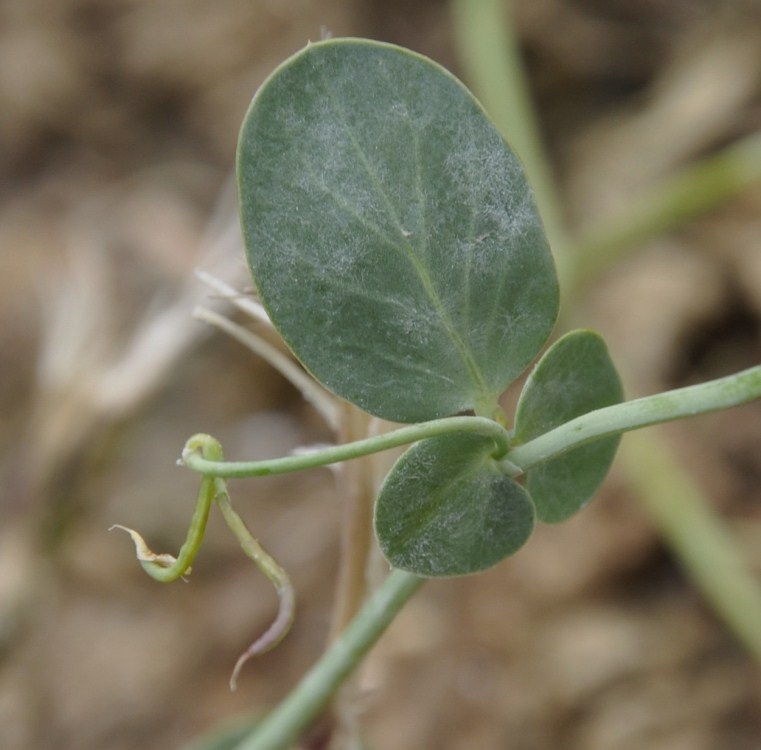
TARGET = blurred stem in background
x,y
488,49
693,191
487,42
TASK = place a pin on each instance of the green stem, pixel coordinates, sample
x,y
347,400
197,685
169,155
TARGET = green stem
x,y
695,190
723,393
714,395
192,458
282,727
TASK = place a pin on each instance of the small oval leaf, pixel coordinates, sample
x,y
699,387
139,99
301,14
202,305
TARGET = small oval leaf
x,y
445,509
391,233
575,376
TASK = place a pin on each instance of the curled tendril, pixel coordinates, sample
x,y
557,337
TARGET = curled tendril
x,y
164,567
279,578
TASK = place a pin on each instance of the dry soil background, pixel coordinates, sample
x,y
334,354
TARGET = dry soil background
x,y
118,121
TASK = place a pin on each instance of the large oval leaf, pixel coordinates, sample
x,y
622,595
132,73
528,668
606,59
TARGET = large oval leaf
x,y
391,233
575,376
445,509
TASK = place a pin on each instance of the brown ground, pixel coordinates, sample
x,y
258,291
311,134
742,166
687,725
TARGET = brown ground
x,y
117,136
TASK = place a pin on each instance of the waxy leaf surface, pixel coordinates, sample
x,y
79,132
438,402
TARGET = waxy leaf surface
x,y
575,376
446,509
391,233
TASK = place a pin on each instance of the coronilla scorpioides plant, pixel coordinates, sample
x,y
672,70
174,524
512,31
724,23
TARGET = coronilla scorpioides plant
x,y
394,242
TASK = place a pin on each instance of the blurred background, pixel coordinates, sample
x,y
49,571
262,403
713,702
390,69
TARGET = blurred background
x,y
118,124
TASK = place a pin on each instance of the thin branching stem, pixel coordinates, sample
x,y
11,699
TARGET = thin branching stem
x,y
714,395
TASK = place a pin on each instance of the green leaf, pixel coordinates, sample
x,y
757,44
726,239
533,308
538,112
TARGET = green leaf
x,y
575,376
391,233
446,509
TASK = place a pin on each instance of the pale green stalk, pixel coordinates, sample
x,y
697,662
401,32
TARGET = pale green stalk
x,y
714,395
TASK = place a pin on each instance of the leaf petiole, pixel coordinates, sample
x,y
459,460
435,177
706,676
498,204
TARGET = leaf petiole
x,y
195,459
